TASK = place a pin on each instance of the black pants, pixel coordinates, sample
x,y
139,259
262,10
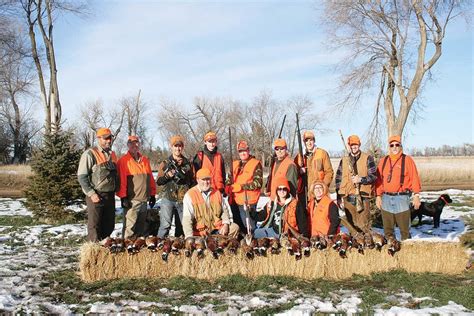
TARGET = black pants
x,y
100,217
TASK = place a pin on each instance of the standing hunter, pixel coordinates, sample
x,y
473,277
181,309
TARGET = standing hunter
x,y
283,167
316,163
397,181
97,175
347,183
247,184
175,176
137,187
213,160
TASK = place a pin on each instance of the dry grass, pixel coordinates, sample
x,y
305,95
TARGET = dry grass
x,y
439,173
13,179
97,263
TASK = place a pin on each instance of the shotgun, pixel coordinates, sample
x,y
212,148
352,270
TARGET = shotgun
x,y
272,163
359,204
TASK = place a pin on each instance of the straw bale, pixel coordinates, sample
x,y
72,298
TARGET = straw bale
x,y
97,263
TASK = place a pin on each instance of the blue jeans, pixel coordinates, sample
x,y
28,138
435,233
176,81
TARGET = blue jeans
x,y
168,209
395,203
243,216
265,232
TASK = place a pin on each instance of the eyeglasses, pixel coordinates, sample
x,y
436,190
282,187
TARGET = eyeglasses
x,y
280,148
318,188
395,145
282,189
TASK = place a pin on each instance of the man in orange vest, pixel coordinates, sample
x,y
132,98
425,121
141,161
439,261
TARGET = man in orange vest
x,y
283,167
323,212
97,175
397,181
137,186
175,177
247,184
205,211
211,159
365,174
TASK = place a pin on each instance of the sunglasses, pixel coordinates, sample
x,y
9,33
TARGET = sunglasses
x,y
282,189
280,148
243,151
395,145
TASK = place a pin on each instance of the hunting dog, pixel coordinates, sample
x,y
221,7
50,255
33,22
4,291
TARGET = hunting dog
x,y
432,209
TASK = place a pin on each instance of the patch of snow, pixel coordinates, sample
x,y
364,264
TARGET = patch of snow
x,y
450,309
13,207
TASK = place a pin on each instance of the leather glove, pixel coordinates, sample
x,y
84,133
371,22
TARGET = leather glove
x,y
152,201
236,188
125,203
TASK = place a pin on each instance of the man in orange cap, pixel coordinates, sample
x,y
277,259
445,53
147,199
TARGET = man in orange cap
x,y
247,183
211,159
364,176
397,180
175,177
137,186
97,175
283,167
205,211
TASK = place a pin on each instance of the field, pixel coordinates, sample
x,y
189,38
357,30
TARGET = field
x,y
437,173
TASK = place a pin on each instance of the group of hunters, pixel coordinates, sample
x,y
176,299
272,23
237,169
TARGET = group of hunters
x,y
193,192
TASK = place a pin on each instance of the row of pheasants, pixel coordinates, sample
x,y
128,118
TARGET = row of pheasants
x,y
218,244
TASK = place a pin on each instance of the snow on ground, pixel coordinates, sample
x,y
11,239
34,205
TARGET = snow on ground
x,y
28,253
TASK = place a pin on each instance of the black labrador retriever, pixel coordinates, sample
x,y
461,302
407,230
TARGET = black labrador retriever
x,y
432,209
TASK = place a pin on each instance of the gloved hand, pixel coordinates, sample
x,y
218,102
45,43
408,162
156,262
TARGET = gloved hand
x,y
236,188
152,201
125,202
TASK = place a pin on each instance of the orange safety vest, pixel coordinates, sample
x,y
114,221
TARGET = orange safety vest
x,y
243,176
280,173
215,166
208,217
319,216
104,172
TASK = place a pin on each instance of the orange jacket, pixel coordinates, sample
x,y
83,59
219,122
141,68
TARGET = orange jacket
x,y
281,172
217,181
136,178
319,216
243,176
411,181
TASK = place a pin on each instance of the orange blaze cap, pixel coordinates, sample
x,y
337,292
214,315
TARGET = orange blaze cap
x,y
133,138
279,142
395,138
203,173
353,140
176,139
101,132
242,145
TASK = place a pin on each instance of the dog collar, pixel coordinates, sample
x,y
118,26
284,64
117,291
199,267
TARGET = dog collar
x,y
445,202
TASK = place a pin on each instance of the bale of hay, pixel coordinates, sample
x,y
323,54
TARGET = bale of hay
x,y
97,263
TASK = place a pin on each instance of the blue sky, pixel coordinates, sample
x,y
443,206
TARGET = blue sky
x,y
183,49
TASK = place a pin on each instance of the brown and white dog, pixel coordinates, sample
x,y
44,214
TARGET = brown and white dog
x,y
432,209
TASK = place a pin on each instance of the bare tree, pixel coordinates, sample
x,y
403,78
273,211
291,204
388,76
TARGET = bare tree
x,y
16,80
392,45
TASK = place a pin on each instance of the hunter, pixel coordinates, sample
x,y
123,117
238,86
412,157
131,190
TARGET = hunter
x,y
211,159
283,167
175,177
137,187
97,175
205,211
246,185
323,212
347,184
397,181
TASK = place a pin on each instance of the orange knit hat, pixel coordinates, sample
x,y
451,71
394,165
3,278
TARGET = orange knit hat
x,y
203,173
308,134
210,136
101,132
395,138
282,182
176,139
279,142
353,140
